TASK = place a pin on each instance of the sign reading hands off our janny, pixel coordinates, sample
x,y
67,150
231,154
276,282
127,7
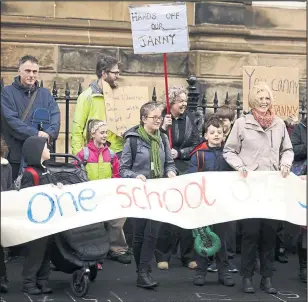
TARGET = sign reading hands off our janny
x,y
189,201
159,28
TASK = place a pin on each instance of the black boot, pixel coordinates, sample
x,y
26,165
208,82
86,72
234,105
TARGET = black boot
x,y
247,286
144,279
266,285
4,286
281,256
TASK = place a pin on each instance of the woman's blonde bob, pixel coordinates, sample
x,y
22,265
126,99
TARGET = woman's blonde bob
x,y
253,101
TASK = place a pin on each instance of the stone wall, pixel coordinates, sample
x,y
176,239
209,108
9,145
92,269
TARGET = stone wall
x,y
69,37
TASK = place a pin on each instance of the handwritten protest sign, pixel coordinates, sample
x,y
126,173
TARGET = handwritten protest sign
x,y
284,82
159,28
123,106
189,201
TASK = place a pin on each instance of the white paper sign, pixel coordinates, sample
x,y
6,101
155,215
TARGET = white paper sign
x,y
159,28
189,201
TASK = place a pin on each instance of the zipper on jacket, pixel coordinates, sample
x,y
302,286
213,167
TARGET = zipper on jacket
x,y
29,94
271,139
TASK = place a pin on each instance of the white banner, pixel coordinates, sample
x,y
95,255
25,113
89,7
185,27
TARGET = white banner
x,y
189,201
159,28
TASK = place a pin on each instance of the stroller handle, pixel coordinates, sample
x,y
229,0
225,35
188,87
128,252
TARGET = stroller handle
x,y
64,155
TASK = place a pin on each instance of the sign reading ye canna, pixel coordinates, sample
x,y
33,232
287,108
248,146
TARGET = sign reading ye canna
x,y
284,82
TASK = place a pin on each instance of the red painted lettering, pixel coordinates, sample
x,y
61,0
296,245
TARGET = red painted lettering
x,y
204,193
186,197
135,201
164,197
127,195
154,193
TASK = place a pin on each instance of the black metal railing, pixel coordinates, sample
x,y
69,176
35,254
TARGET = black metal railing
x,y
197,102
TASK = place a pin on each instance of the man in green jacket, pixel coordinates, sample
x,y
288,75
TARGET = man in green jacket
x,y
91,105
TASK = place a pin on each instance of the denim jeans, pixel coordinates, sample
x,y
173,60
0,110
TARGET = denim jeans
x,y
145,235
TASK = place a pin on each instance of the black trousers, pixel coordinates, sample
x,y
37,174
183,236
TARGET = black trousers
x,y
280,237
302,248
230,239
169,236
260,232
221,256
36,268
145,234
2,263
15,170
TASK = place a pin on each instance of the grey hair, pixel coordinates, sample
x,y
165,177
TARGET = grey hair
x,y
146,109
173,92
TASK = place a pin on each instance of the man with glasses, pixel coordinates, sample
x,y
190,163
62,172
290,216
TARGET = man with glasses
x,y
91,105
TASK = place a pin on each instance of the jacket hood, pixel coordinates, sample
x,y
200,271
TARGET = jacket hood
x,y
17,84
96,89
32,150
4,161
132,132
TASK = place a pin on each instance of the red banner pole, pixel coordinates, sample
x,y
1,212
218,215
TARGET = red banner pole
x,y
167,97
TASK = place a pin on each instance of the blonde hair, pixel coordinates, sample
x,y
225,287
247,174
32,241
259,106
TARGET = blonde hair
x,y
93,125
253,102
173,92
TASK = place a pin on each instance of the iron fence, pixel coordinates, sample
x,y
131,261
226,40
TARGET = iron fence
x,y
197,103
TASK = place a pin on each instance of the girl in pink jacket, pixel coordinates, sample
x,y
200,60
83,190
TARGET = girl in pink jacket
x,y
100,161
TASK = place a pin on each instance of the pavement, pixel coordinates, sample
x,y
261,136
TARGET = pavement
x,y
116,283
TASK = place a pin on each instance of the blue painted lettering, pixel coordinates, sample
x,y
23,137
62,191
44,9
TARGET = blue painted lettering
x,y
82,198
51,212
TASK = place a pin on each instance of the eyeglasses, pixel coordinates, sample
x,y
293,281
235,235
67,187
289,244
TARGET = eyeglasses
x,y
156,118
114,72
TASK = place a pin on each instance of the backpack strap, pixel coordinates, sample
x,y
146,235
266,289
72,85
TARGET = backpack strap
x,y
86,154
111,156
200,161
36,178
133,144
133,147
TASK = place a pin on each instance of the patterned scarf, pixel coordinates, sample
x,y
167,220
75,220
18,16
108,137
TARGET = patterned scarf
x,y
154,142
265,120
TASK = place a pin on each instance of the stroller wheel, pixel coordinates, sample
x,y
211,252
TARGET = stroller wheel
x,y
80,288
93,273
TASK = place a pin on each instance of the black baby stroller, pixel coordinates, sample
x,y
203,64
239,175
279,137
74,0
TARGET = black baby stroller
x,y
77,251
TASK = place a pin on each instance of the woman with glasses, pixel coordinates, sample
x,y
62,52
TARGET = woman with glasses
x,y
185,138
146,155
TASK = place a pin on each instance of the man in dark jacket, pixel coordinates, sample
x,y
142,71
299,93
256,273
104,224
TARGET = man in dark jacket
x,y
27,110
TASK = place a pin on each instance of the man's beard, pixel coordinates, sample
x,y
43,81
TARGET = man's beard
x,y
112,83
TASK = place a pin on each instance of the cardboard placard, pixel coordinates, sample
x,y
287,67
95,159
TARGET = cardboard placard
x,y
159,28
284,82
123,106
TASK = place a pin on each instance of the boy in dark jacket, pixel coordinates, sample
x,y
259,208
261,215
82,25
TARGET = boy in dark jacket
x,y
36,268
208,157
227,115
6,183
